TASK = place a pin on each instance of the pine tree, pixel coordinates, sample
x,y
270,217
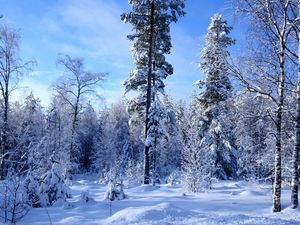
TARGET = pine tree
x,y
151,21
99,155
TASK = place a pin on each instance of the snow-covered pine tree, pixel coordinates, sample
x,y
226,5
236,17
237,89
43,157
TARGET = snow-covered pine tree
x,y
191,163
52,143
181,113
151,21
99,155
31,187
215,100
28,130
87,130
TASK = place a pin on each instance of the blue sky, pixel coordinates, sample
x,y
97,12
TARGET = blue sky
x,y
92,29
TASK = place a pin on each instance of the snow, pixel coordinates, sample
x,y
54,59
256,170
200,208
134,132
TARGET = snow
x,y
229,202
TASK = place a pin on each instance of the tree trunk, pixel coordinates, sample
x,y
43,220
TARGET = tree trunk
x,y
295,175
73,130
277,178
4,134
154,151
148,103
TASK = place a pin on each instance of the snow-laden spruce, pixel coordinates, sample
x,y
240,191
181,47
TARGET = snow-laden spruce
x,y
53,186
28,130
211,119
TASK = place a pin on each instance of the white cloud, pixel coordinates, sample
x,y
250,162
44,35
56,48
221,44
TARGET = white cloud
x,y
39,89
89,28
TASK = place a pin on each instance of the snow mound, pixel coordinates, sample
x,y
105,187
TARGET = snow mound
x,y
86,198
145,188
233,185
251,193
141,215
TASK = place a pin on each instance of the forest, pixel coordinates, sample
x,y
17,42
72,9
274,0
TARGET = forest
x,y
240,129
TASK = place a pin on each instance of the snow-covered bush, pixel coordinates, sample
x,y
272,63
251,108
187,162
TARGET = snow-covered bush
x,y
192,178
174,178
85,197
133,174
52,186
31,185
115,191
198,164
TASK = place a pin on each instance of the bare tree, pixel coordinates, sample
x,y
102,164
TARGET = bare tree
x,y
14,204
11,67
73,87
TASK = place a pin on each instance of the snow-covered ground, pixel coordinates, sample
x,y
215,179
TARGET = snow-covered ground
x,y
228,203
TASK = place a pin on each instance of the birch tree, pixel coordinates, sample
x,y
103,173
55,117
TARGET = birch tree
x,y
296,150
270,19
76,84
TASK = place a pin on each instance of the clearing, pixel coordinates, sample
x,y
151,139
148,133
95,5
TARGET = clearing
x,y
229,202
